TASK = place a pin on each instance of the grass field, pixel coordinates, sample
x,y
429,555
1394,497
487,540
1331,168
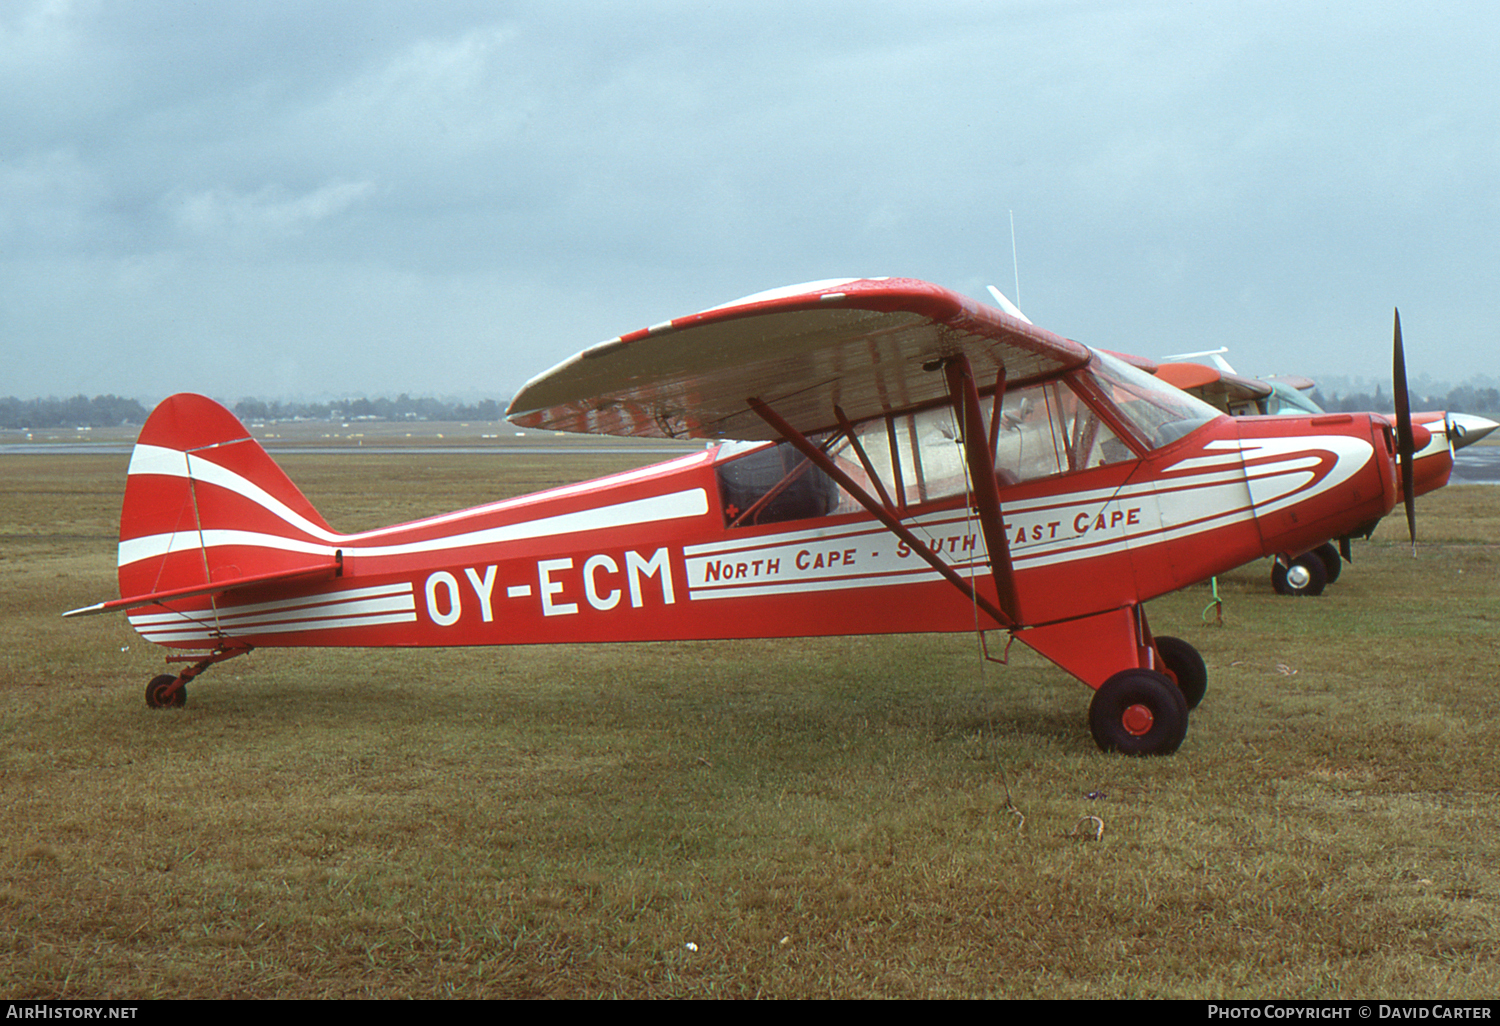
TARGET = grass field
x,y
849,817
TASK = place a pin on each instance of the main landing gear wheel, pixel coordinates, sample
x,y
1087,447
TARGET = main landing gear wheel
x,y
1139,712
1306,575
1187,666
1333,563
159,697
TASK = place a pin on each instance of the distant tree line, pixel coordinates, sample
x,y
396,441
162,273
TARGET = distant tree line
x,y
112,411
78,411
1475,399
403,407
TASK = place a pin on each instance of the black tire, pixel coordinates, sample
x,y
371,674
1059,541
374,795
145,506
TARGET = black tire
x,y
1139,712
158,697
1187,666
1305,576
1333,563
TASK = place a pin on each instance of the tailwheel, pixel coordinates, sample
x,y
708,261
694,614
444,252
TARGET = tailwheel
x,y
170,692
161,695
1305,575
1139,712
1187,666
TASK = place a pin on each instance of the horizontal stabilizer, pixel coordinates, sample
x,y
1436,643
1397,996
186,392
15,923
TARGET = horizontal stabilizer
x,y
328,568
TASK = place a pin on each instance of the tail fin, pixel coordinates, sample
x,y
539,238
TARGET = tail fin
x,y
207,509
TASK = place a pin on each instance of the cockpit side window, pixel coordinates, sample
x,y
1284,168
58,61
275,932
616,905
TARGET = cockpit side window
x,y
1047,429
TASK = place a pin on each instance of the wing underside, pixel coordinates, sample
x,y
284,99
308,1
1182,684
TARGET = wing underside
x,y
865,347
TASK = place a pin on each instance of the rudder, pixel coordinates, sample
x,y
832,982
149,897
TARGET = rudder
x,y
205,504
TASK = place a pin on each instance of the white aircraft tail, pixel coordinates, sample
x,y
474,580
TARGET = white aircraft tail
x,y
1215,356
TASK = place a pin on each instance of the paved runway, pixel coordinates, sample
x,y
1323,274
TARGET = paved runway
x,y
1478,464
123,449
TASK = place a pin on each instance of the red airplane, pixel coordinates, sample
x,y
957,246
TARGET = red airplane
x,y
870,487
1218,385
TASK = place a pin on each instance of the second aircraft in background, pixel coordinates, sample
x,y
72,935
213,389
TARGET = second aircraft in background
x,y
1217,384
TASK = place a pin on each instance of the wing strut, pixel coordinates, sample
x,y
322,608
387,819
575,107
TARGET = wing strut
x,y
981,460
800,442
864,460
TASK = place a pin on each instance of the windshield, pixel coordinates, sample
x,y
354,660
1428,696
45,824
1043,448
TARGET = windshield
x,y
1285,401
1158,412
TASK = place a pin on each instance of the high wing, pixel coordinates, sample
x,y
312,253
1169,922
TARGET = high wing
x,y
1216,387
866,346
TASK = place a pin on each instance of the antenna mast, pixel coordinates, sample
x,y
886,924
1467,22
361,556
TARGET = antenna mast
x,y
1014,260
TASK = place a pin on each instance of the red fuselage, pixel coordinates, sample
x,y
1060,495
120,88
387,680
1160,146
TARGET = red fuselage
x,y
666,552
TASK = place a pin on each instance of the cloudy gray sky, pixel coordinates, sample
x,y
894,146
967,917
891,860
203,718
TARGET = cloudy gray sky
x,y
301,198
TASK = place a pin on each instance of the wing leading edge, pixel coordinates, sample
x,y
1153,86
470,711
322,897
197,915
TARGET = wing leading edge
x,y
867,346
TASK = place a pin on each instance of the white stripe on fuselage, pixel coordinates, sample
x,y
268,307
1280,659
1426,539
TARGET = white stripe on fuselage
x,y
353,607
1235,481
691,502
1193,496
151,459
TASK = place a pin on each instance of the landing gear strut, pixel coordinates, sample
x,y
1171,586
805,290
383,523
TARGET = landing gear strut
x,y
170,692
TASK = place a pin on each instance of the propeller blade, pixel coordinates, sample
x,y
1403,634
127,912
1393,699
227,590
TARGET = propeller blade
x,y
1405,445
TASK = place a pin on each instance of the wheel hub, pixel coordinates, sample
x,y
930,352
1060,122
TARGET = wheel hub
x,y
1137,720
1298,576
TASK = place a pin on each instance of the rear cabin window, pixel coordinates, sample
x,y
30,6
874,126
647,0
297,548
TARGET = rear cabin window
x,y
773,483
